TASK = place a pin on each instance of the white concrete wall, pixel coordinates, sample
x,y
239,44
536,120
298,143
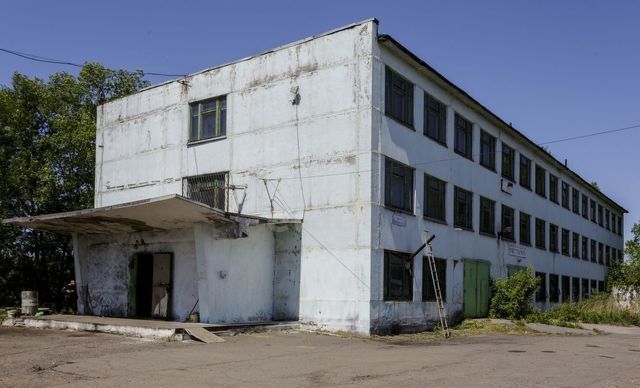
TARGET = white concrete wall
x,y
235,276
142,152
104,268
410,147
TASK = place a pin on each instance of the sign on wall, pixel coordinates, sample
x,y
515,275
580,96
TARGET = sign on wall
x,y
517,250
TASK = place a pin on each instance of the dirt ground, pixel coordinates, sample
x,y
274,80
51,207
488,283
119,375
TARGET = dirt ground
x,y
38,358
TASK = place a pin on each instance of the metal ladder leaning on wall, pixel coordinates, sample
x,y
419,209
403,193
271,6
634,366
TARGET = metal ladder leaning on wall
x,y
442,313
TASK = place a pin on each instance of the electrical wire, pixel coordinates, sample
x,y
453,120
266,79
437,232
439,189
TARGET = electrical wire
x,y
37,58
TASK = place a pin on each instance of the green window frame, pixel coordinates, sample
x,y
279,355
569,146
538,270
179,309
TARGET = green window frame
x,y
208,119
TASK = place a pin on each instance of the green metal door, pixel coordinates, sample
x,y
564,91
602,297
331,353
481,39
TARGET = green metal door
x,y
476,289
469,289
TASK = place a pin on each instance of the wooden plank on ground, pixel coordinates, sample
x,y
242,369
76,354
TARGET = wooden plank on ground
x,y
202,334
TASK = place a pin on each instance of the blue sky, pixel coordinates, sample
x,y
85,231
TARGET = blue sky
x,y
555,69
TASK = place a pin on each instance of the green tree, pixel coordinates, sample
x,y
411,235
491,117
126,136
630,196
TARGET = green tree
x,y
47,160
626,275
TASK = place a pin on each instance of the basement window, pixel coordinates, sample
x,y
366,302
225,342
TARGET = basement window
x,y
208,119
209,189
428,292
398,282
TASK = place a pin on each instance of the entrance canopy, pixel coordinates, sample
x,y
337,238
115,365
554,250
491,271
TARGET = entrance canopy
x,y
154,214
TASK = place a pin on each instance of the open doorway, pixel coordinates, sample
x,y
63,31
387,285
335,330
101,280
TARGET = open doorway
x,y
150,278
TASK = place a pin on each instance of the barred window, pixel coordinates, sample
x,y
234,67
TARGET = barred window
x,y
209,189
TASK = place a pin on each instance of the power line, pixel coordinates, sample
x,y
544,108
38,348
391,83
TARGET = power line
x,y
590,135
37,58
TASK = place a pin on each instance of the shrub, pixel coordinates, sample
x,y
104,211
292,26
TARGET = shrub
x,y
511,297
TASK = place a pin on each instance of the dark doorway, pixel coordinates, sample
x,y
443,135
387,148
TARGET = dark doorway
x,y
144,285
150,277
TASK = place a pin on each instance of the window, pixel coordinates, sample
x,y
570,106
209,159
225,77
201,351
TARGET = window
x,y
554,291
575,244
613,222
209,189
540,181
208,119
462,208
428,293
600,286
508,162
435,193
585,206
540,234
620,225
507,226
585,288
553,238
553,188
487,151
606,219
541,292
585,248
525,172
575,200
398,185
600,221
594,286
463,137
575,289
565,241
600,253
593,251
435,119
525,229
398,97
593,210
487,216
398,283
614,255
607,256
565,195
565,287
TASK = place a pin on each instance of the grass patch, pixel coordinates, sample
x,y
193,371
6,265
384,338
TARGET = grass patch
x,y
467,328
597,309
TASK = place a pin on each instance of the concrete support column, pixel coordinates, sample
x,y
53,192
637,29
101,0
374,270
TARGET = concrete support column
x,y
200,232
79,257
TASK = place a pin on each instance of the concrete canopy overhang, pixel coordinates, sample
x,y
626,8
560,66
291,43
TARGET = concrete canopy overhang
x,y
149,215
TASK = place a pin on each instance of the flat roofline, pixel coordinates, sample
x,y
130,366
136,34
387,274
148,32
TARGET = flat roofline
x,y
277,48
384,38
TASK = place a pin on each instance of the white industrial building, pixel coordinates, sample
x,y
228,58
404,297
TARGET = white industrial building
x,y
294,184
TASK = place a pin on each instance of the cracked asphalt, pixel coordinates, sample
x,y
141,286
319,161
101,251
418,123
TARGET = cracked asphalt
x,y
37,358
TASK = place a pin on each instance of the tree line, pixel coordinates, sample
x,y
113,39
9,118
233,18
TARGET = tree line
x,y
47,165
